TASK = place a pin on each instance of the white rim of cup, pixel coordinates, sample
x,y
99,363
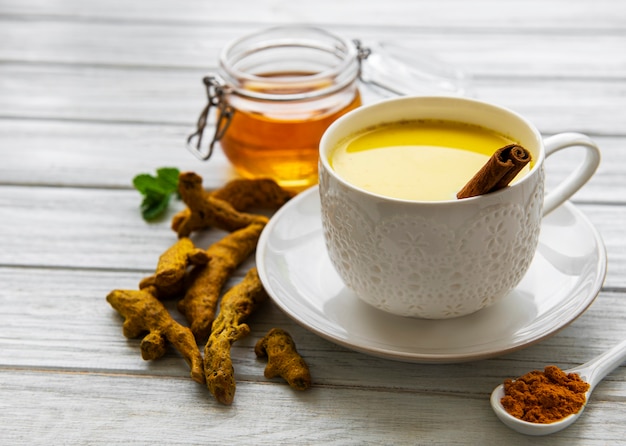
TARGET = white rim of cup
x,y
385,103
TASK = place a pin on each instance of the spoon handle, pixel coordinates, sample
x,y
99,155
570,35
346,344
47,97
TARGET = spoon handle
x,y
595,370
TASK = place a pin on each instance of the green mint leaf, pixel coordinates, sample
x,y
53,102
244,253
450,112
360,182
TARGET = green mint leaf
x,y
156,191
143,182
168,178
151,209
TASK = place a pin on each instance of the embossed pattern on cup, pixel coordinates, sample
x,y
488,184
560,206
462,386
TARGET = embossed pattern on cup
x,y
403,261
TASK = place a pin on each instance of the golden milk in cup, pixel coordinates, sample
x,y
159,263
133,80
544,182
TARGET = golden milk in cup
x,y
428,160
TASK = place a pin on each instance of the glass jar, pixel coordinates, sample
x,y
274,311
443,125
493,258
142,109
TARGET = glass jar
x,y
275,93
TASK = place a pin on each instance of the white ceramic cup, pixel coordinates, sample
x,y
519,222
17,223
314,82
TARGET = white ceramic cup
x,y
441,259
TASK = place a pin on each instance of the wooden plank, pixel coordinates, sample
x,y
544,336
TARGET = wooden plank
x,y
80,408
514,16
176,97
101,94
59,227
485,52
106,155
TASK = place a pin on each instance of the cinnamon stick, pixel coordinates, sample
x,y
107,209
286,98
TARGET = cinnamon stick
x,y
497,172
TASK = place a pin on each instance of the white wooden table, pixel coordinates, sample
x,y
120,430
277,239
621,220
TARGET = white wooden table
x,y
94,92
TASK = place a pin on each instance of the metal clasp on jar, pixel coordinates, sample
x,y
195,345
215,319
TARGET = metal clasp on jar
x,y
216,94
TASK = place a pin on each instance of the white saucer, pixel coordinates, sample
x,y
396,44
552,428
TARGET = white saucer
x,y
563,280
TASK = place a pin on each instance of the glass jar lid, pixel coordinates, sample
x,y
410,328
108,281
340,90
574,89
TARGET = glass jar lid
x,y
289,63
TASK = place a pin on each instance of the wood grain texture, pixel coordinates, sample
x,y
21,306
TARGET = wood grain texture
x,y
557,15
162,97
485,52
93,93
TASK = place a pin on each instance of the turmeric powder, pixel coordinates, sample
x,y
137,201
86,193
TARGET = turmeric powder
x,y
544,397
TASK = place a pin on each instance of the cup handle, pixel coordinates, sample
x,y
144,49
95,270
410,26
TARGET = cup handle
x,y
578,177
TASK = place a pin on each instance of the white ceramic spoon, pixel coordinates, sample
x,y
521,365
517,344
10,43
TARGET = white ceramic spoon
x,y
592,372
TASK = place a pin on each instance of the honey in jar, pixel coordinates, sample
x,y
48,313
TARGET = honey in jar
x,y
277,92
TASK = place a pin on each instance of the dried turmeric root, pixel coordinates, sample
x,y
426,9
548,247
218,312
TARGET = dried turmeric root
x,y
283,359
143,312
205,211
246,194
169,278
237,304
206,282
173,263
175,290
